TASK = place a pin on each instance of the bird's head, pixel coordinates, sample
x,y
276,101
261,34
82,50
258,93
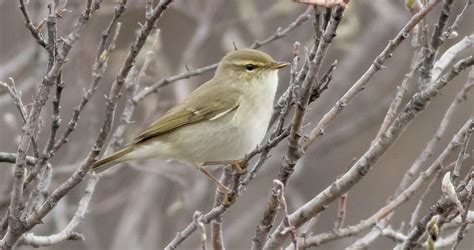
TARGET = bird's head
x,y
249,66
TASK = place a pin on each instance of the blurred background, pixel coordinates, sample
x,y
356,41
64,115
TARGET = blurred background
x,y
144,204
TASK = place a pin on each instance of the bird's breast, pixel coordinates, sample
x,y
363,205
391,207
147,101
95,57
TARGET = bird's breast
x,y
255,110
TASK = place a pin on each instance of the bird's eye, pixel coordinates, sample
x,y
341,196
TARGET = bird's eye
x,y
250,67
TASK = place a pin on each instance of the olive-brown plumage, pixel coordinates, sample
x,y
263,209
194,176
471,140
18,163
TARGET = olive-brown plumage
x,y
222,120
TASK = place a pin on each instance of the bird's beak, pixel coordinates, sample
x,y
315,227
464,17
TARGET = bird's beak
x,y
278,65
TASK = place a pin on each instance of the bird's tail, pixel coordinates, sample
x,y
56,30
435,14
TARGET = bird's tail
x,y
110,160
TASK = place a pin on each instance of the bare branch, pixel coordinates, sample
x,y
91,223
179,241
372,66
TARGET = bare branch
x,y
341,212
216,224
98,70
428,151
464,216
68,232
197,220
165,81
450,55
16,226
443,205
304,91
132,86
11,158
416,211
394,203
452,30
363,165
397,99
429,52
376,66
324,3
284,205
462,153
206,219
31,27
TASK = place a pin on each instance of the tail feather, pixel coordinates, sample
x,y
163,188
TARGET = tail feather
x,y
110,160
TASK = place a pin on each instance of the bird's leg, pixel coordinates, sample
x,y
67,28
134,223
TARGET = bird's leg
x,y
221,186
236,164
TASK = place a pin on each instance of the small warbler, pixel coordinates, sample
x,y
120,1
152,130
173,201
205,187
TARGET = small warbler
x,y
219,122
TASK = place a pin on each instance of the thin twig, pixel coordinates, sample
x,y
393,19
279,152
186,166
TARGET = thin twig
x,y
429,52
281,196
451,31
33,219
443,125
31,27
464,221
303,92
16,225
461,155
394,203
98,70
16,96
216,224
364,164
441,206
361,82
416,211
450,55
341,212
11,158
397,99
165,81
68,232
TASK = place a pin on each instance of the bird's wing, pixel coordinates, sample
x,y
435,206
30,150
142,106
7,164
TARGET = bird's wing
x,y
202,105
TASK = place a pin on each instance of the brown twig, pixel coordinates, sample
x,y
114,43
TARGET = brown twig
x,y
397,99
294,153
464,222
132,84
451,31
416,211
16,96
112,100
281,197
341,212
115,92
98,70
167,80
394,203
442,205
429,52
206,219
363,165
216,224
68,232
462,153
263,150
197,221
11,158
31,27
428,151
451,54
361,82
300,91
16,226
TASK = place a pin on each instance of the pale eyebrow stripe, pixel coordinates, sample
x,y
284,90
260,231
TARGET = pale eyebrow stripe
x,y
245,62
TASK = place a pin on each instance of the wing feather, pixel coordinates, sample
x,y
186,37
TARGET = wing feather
x,y
203,104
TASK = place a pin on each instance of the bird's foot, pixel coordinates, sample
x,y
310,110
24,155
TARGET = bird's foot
x,y
239,166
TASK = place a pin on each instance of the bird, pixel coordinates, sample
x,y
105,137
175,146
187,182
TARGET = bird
x,y
219,122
